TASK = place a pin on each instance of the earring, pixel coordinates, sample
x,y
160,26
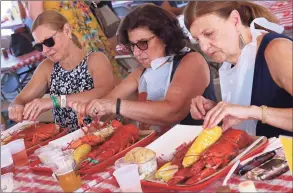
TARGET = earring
x,y
241,42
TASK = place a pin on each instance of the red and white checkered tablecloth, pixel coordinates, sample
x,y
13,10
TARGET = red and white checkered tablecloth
x,y
26,181
282,10
13,63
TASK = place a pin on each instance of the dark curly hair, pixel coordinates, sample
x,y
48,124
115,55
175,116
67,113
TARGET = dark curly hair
x,y
162,23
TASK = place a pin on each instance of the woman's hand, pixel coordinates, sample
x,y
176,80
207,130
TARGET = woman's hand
x,y
200,106
96,107
15,112
231,115
34,108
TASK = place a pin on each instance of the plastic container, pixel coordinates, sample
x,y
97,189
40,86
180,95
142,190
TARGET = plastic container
x,y
246,186
148,168
7,182
17,149
46,153
119,163
128,178
64,166
7,165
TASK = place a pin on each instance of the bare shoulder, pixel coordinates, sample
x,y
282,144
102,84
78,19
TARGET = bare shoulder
x,y
195,61
278,55
97,57
46,66
278,46
278,52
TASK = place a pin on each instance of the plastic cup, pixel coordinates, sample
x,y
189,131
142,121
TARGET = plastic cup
x,y
7,165
17,149
128,178
47,153
119,163
7,182
63,167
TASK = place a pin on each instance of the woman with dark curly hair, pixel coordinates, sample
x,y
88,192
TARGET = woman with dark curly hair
x,y
169,76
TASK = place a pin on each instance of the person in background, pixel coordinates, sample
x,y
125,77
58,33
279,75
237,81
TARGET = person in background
x,y
70,74
165,4
83,24
24,15
256,76
169,6
169,76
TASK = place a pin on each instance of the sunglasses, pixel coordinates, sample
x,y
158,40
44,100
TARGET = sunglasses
x,y
49,42
142,45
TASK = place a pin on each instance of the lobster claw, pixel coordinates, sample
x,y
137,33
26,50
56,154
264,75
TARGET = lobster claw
x,y
201,175
179,176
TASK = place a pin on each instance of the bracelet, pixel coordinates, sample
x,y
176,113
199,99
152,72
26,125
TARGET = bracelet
x,y
63,101
118,103
55,101
263,114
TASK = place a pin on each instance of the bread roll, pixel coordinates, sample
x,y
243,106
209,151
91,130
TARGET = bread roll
x,y
139,155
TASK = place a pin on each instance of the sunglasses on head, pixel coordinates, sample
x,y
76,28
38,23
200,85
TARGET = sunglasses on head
x,y
142,45
49,42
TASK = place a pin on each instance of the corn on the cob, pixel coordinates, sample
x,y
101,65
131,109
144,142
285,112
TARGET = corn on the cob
x,y
205,139
81,152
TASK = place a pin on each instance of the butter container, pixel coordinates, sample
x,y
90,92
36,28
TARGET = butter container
x,y
148,168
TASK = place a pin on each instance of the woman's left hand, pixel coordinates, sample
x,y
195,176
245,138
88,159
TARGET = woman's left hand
x,y
37,106
96,107
101,107
230,114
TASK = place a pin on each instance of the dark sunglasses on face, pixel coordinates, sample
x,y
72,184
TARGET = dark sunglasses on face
x,y
142,45
49,42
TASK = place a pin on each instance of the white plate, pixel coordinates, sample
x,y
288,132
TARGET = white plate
x,y
166,145
65,140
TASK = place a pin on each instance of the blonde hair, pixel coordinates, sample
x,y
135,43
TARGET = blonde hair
x,y
248,11
55,21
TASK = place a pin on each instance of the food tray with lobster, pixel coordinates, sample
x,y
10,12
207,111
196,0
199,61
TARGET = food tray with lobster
x,y
98,145
125,138
35,134
197,163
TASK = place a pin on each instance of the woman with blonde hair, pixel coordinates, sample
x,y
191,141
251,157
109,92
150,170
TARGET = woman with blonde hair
x,y
84,25
256,76
69,73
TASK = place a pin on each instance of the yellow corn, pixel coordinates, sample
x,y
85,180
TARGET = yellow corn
x,y
166,172
80,152
205,139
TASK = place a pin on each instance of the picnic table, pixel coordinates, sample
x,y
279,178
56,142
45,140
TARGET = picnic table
x,y
13,63
27,181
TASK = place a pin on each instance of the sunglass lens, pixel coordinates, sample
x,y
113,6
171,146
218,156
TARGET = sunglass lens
x,y
142,45
49,42
38,47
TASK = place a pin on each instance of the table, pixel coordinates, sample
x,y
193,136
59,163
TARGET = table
x,y
282,10
13,63
26,181
11,24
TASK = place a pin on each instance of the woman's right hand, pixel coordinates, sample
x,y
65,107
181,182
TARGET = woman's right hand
x,y
200,106
15,112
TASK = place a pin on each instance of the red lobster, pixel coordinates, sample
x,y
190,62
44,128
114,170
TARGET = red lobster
x,y
177,160
36,133
122,138
219,154
216,156
102,131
